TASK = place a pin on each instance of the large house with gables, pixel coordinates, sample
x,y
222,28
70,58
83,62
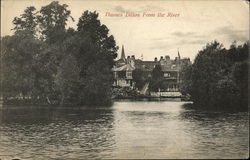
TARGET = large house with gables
x,y
124,68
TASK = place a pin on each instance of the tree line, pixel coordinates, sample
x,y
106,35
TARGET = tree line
x,y
45,62
218,78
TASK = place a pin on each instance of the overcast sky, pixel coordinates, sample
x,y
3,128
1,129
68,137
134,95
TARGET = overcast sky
x,y
198,23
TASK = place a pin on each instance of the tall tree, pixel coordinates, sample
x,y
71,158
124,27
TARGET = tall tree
x,y
96,58
156,79
27,21
218,78
90,26
19,53
140,78
67,80
52,21
60,65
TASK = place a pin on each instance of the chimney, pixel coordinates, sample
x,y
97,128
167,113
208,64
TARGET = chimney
x,y
132,61
133,57
128,59
167,57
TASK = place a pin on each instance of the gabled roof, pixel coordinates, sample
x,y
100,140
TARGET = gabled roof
x,y
121,61
166,68
145,65
126,67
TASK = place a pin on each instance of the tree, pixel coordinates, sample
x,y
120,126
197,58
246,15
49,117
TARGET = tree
x,y
67,80
156,79
96,58
19,53
240,74
27,21
90,26
218,78
186,83
52,21
140,78
59,66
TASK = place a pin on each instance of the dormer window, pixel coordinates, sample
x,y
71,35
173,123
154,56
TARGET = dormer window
x,y
173,66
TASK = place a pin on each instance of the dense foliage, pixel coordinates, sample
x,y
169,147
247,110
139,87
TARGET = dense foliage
x,y
43,62
157,79
218,78
140,78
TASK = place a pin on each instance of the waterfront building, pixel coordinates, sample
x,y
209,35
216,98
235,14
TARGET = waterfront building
x,y
171,68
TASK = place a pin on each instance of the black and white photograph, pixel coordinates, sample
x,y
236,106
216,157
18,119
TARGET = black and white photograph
x,y
124,79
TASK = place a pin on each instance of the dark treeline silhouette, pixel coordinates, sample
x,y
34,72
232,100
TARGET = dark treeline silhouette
x,y
45,63
218,78
157,79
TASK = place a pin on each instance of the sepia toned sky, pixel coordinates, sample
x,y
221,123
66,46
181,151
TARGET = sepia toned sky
x,y
198,23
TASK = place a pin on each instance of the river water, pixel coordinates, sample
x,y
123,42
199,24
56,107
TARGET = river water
x,y
125,130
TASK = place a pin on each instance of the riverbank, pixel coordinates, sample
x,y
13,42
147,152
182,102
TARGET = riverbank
x,y
189,105
197,107
126,97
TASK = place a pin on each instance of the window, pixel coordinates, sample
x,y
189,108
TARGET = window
x,y
121,74
173,66
166,74
129,74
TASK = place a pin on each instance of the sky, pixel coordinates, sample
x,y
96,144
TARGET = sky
x,y
195,23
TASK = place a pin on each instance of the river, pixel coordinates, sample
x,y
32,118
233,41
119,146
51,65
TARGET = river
x,y
125,130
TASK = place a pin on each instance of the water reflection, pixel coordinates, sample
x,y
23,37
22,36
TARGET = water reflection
x,y
56,133
219,134
126,130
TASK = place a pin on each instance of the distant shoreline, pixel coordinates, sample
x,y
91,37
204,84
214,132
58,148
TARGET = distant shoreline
x,y
178,99
21,103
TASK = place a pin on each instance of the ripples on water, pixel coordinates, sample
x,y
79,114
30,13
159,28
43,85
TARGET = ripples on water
x,y
125,130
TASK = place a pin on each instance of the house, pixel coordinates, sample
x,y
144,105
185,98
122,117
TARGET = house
x,y
124,67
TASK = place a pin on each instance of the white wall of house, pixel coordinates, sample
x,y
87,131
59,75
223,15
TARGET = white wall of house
x,y
123,83
165,94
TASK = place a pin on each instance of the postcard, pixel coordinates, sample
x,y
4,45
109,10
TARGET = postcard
x,y
123,79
